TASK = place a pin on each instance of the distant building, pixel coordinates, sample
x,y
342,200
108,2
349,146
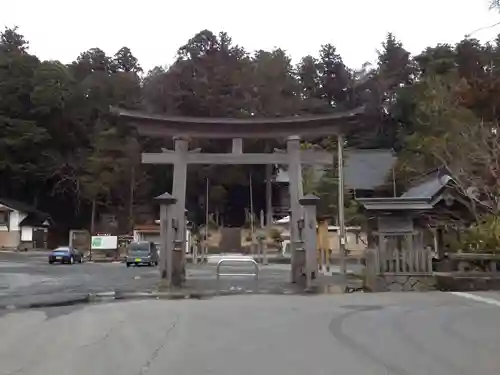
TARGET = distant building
x,y
22,226
147,232
151,233
366,173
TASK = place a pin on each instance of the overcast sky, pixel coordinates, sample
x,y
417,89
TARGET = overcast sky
x,y
154,29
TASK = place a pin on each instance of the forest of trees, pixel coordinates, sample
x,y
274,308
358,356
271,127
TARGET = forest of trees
x,y
63,152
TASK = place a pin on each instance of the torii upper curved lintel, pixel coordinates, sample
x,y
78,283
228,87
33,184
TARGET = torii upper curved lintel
x,y
212,127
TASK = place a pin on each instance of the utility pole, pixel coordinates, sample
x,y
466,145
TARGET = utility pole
x,y
131,200
251,206
394,181
133,154
269,198
205,251
341,214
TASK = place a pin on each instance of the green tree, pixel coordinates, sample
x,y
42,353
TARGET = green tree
x,y
275,87
438,60
125,61
210,78
20,131
61,149
378,89
334,77
11,41
309,81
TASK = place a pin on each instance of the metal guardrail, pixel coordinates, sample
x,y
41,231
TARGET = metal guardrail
x,y
255,274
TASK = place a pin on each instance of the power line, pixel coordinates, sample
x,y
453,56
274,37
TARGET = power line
x,y
481,29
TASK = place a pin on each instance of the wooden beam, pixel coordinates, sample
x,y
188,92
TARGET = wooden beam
x,y
224,128
310,157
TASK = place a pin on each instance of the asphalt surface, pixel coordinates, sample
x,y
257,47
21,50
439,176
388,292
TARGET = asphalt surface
x,y
26,279
277,332
375,334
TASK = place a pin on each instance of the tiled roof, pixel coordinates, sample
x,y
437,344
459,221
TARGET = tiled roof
x,y
429,186
367,169
364,169
34,217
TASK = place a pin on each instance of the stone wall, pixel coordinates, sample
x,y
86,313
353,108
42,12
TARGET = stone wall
x,y
401,283
468,272
375,281
467,283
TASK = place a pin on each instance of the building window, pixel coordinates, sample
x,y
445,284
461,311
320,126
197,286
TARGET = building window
x,y
4,218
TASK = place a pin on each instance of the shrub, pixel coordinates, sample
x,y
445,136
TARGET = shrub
x,y
483,237
275,235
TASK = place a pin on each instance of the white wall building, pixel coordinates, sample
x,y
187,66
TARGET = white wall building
x,y
21,226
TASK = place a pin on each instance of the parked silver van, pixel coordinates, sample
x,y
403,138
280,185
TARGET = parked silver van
x,y
142,253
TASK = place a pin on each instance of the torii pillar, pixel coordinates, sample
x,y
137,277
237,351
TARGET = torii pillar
x,y
179,192
167,268
295,187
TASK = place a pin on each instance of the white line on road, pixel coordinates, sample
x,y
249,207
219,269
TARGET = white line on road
x,y
489,301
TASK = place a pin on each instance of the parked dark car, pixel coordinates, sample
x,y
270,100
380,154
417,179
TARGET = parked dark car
x,y
142,253
65,255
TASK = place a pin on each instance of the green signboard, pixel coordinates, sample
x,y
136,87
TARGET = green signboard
x,y
104,242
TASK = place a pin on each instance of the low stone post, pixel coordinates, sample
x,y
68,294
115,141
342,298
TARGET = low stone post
x,y
323,246
310,237
184,246
167,202
204,252
262,252
178,248
371,270
300,255
194,246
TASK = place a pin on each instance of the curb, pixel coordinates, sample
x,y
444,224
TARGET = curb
x,y
157,295
55,303
173,295
101,297
106,297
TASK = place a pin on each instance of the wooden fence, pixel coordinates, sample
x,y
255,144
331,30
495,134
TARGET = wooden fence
x,y
402,254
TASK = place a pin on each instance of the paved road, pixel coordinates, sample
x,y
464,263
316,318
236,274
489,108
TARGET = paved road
x,y
27,278
354,334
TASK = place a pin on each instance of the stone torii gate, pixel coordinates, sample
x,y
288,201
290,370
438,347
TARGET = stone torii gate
x,y
293,129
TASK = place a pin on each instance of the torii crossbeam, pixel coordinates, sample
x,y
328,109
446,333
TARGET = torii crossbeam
x,y
309,157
